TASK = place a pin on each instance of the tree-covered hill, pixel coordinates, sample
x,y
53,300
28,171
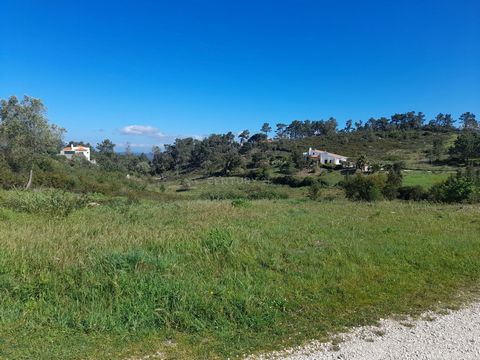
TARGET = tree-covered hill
x,y
30,144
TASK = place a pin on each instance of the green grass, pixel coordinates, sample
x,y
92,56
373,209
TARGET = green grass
x,y
426,179
221,188
211,279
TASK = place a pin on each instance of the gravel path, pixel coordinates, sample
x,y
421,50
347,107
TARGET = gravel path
x,y
454,336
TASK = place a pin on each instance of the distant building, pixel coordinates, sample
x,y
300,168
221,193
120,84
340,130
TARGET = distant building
x,y
324,157
70,151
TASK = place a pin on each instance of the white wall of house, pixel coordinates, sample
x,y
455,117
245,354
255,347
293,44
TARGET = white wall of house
x,y
325,157
70,151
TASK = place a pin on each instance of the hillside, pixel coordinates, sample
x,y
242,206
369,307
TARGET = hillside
x,y
410,147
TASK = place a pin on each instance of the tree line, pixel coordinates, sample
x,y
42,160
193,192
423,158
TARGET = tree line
x,y
26,138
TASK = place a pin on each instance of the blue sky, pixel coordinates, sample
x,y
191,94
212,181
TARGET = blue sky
x,y
148,71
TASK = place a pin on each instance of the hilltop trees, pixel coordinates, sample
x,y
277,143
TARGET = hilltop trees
x,y
280,132
442,122
468,121
220,153
266,128
244,135
216,153
26,137
348,126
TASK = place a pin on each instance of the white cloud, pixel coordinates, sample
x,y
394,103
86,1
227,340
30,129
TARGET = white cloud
x,y
135,145
146,132
142,130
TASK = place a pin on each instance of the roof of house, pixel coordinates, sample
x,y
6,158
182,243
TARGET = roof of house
x,y
329,153
75,148
336,155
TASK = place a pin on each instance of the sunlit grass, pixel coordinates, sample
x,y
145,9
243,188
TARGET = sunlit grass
x,y
218,280
426,179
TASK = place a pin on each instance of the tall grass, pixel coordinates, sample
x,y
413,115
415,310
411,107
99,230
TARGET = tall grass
x,y
221,280
51,202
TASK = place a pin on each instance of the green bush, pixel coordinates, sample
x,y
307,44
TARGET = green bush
x,y
390,191
297,182
218,242
415,193
287,168
364,188
8,179
315,190
455,189
240,203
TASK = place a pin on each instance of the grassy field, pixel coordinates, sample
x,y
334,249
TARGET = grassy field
x,y
426,179
216,279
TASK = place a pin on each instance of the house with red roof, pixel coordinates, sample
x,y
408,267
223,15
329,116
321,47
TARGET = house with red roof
x,y
70,151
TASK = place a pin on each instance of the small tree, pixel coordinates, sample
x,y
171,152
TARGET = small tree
x,y
468,121
106,147
466,146
128,149
314,191
362,162
266,128
348,126
257,138
280,132
437,150
244,135
299,160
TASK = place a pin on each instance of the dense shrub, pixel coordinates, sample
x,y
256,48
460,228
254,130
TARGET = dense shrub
x,y
455,189
314,190
262,173
390,191
287,168
297,182
55,179
365,188
415,193
393,181
8,179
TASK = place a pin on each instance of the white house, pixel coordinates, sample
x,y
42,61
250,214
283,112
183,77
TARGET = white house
x,y
71,150
325,157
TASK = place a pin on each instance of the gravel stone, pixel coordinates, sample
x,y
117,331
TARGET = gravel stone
x,y
451,336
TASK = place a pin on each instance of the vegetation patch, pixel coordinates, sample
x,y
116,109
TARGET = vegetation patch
x,y
276,275
49,202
